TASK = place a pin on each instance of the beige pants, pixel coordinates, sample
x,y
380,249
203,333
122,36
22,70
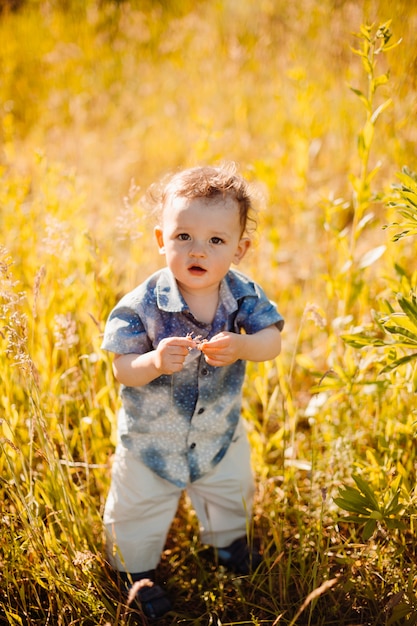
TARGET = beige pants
x,y
140,506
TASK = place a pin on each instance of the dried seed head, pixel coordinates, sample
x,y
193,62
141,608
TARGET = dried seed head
x,y
65,332
145,582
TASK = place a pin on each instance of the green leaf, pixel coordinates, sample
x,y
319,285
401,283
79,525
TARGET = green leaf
x,y
361,340
360,500
398,362
398,236
352,508
408,180
365,489
353,497
369,529
393,507
409,307
394,524
411,198
394,329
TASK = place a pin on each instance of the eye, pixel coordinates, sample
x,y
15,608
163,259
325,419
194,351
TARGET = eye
x,y
184,237
216,240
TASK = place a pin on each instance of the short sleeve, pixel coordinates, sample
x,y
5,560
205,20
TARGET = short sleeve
x,y
257,312
125,333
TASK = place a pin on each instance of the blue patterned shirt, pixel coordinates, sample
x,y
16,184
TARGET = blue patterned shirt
x,y
181,425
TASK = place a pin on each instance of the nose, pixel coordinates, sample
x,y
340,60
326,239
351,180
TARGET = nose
x,y
197,250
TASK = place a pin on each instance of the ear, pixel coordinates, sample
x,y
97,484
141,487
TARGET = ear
x,y
242,248
159,239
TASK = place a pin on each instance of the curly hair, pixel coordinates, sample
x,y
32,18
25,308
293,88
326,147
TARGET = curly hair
x,y
208,182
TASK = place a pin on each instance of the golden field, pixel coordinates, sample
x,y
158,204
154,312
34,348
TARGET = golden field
x,y
317,103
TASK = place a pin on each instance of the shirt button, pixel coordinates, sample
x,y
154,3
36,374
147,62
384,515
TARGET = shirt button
x,y
200,411
204,371
193,445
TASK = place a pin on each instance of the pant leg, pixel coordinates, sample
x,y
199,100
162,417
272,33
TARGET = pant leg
x,y
223,498
138,514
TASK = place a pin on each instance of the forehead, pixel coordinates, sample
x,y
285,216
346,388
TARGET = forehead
x,y
180,207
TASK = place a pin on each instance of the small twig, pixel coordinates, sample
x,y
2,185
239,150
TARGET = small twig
x,y
81,464
198,340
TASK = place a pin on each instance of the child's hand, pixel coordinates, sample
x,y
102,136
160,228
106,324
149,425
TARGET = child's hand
x,y
170,354
222,349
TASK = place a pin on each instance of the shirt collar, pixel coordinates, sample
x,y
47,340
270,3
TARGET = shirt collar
x,y
233,287
226,296
168,295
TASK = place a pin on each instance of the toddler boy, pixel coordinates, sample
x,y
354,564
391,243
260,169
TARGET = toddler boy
x,y
181,340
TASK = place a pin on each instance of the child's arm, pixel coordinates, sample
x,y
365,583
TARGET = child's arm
x,y
226,348
136,370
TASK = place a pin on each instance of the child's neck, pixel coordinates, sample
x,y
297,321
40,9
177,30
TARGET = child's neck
x,y
202,305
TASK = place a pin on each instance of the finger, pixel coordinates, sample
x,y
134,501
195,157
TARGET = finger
x,y
212,347
181,345
219,341
184,342
213,361
174,348
177,351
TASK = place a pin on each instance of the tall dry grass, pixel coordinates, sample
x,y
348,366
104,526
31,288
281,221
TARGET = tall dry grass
x,y
97,100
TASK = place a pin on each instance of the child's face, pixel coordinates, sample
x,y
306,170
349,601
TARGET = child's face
x,y
201,238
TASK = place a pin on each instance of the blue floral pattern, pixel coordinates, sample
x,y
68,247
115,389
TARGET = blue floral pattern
x,y
181,425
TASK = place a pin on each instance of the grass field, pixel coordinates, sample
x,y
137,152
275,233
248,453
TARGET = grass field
x,y
317,102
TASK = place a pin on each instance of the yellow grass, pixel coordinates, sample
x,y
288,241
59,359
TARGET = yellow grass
x,y
97,101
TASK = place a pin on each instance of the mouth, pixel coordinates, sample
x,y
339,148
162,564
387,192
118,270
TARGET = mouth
x,y
196,270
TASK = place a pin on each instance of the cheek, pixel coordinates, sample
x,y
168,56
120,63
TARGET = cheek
x,y
173,253
223,262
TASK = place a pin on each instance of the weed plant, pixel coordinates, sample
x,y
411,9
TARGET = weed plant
x,y
97,101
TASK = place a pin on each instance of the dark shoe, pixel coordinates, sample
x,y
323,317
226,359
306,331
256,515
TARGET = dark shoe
x,y
239,557
142,590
